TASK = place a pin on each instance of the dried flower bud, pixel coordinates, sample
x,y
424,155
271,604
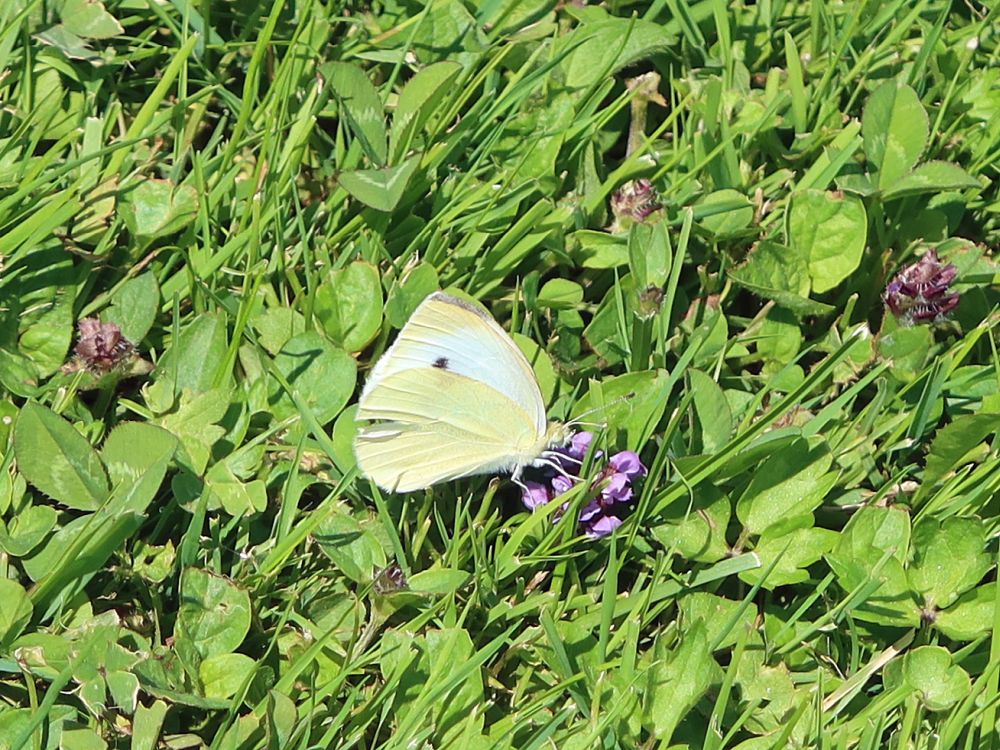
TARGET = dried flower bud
x,y
390,579
919,293
634,201
101,347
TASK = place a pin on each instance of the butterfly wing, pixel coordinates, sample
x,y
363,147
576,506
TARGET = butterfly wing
x,y
448,333
452,397
431,425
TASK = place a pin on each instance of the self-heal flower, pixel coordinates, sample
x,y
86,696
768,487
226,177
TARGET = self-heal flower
x,y
635,201
919,293
613,484
101,347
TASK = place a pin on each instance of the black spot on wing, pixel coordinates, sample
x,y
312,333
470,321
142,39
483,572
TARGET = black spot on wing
x,y
441,363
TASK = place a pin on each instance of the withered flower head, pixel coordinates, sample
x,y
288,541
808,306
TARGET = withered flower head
x,y
101,347
390,579
919,293
634,201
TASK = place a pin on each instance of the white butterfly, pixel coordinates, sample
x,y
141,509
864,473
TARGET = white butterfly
x,y
452,397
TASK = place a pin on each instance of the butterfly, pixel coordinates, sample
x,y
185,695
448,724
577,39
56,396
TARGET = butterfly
x,y
452,397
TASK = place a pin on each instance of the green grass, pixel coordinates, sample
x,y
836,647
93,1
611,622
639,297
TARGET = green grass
x,y
259,194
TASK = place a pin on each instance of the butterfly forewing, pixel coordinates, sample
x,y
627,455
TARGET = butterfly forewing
x,y
453,335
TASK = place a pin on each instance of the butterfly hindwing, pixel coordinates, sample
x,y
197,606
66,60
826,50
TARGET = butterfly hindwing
x,y
430,427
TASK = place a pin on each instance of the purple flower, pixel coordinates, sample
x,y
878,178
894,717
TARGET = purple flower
x,y
579,443
635,201
561,484
100,348
603,526
535,494
627,463
614,484
618,489
919,293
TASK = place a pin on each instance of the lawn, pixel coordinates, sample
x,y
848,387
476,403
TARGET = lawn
x,y
747,245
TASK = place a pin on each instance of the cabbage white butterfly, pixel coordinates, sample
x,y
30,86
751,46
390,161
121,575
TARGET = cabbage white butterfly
x,y
452,397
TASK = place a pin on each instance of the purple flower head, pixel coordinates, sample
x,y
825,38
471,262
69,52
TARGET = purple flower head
x,y
613,484
919,293
634,201
101,347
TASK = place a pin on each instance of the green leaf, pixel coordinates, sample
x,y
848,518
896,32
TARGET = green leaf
x,y
600,49
724,213
214,614
132,448
27,529
46,340
276,325
351,545
223,675
907,349
932,673
873,547
134,307
559,294
82,739
932,177
714,613
438,581
541,365
597,249
416,284
418,101
360,106
71,45
971,616
650,256
344,431
146,724
321,376
381,189
697,528
798,549
712,409
953,442
677,680
57,459
157,208
786,487
15,613
633,403
949,558
828,231
776,272
895,130
89,19
349,305
237,498
194,360
194,424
